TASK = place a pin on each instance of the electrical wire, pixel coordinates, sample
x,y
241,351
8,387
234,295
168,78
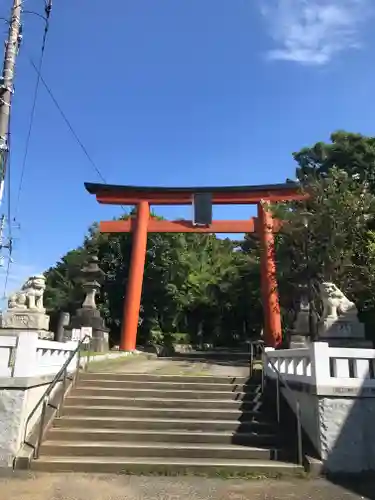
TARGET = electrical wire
x,y
10,240
70,126
68,123
47,10
9,175
7,277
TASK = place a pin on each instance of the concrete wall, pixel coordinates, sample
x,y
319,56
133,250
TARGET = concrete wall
x,y
309,414
347,433
342,430
11,418
336,391
18,398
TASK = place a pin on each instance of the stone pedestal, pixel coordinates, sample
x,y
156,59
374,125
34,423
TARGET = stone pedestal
x,y
15,321
298,341
24,319
42,334
345,331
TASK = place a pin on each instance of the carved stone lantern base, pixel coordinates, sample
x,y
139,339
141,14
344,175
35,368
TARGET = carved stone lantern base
x,y
90,317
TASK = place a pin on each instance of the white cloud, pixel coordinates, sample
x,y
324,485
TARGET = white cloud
x,y
314,31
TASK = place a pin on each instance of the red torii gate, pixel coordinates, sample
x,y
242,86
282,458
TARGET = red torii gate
x,y
142,197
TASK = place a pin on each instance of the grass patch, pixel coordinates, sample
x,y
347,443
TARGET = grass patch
x,y
213,473
104,364
92,354
180,370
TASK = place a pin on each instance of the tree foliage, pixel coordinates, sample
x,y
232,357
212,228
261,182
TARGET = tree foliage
x,y
352,153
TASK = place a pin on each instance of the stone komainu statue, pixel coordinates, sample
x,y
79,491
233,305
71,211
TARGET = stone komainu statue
x,y
335,303
30,297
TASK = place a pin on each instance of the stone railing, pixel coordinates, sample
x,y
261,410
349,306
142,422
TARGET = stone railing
x,y
27,356
323,366
27,368
293,364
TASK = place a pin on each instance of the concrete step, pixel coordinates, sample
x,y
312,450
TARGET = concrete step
x,y
165,424
161,450
170,386
139,377
163,403
156,436
163,413
164,393
143,465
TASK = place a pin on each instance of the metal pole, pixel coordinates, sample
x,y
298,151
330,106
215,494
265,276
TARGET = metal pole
x,y
264,366
310,297
309,287
87,359
78,365
41,428
6,85
251,359
277,399
63,390
299,434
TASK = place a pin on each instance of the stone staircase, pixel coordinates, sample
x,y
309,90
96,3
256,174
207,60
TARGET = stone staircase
x,y
123,423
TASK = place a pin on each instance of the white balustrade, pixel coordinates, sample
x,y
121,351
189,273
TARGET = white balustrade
x,y
322,365
293,364
25,355
50,356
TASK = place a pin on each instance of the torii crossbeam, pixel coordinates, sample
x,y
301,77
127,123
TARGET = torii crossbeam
x,y
143,197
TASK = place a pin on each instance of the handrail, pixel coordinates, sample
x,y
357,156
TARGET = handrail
x,y
44,400
283,381
257,344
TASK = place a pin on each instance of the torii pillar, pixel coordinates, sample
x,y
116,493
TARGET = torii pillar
x,y
269,289
132,301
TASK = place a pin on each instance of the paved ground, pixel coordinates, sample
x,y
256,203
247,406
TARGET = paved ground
x,y
102,487
162,366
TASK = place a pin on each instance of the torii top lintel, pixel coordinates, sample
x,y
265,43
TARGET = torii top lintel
x,y
222,195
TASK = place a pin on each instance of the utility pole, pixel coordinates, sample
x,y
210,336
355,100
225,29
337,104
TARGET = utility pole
x,y
6,85
12,45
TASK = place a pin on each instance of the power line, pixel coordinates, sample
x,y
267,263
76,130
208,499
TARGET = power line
x,y
9,245
68,123
9,175
7,276
47,10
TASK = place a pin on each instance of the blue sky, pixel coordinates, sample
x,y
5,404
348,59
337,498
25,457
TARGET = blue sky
x,y
178,92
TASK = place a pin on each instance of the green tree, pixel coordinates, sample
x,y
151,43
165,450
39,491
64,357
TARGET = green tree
x,y
328,237
352,153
